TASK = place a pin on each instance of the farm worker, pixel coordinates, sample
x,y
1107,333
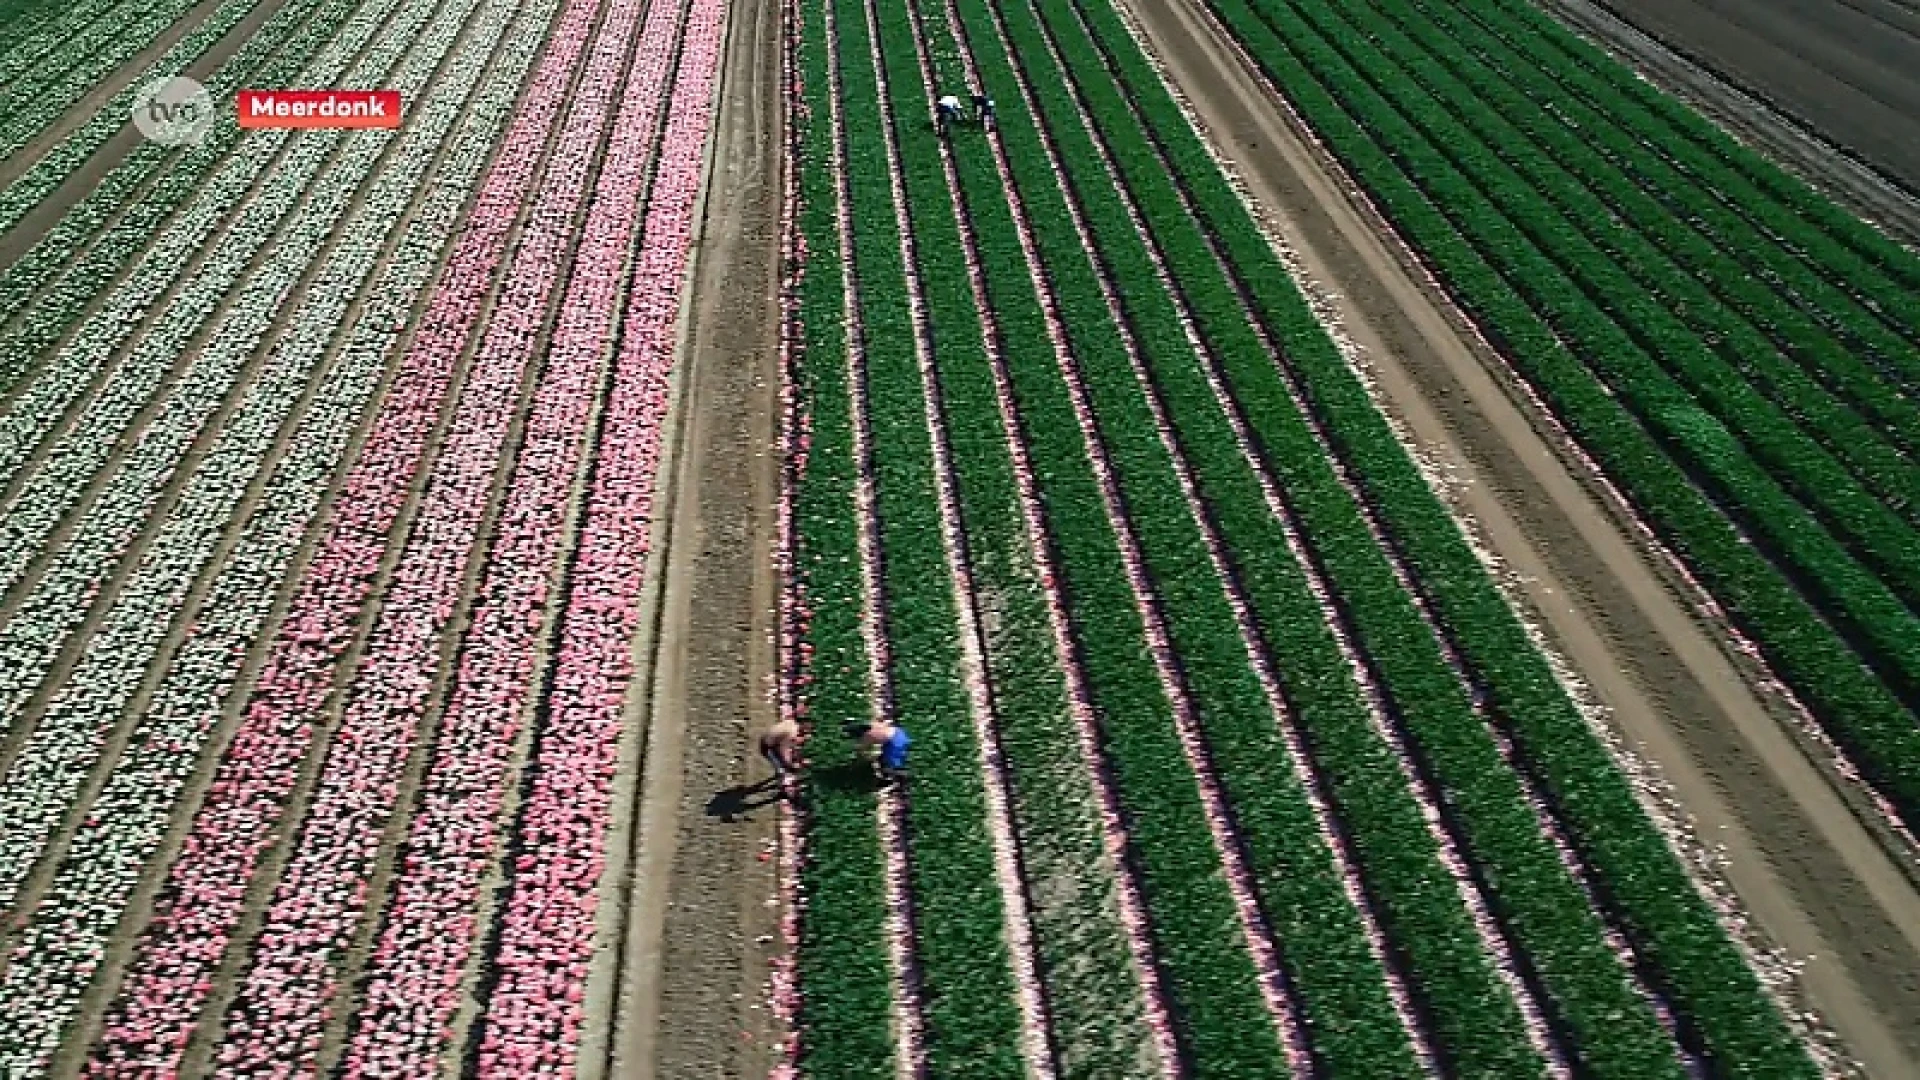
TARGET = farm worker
x,y
778,745
983,109
883,743
949,110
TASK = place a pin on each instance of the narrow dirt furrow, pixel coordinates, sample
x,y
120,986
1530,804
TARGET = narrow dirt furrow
x,y
1813,879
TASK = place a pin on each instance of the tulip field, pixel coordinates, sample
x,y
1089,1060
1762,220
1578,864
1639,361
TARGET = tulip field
x,y
341,473
328,462
1738,355
1230,757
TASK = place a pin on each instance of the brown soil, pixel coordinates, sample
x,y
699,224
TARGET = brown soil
x,y
1755,93
1848,70
685,996
1818,883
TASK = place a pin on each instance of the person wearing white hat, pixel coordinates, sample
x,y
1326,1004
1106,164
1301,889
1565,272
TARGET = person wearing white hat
x,y
948,111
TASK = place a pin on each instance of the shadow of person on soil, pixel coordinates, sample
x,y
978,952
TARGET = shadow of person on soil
x,y
736,802
732,804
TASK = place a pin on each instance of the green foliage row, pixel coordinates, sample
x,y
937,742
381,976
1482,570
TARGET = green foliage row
x,y
1841,340
1092,993
1854,255
846,1004
1694,961
1548,327
967,991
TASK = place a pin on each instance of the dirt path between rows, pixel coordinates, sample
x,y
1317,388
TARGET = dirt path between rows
x,y
686,994
1815,880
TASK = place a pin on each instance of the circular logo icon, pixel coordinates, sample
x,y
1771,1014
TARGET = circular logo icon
x,y
175,112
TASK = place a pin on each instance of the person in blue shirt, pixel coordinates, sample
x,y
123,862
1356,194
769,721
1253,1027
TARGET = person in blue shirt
x,y
885,744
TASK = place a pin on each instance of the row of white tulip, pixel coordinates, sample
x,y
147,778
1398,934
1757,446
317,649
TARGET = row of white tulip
x,y
204,896
67,742
61,271
47,89
198,231
115,499
32,35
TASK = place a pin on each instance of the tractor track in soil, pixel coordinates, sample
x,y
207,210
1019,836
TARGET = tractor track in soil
x,y
1817,882
689,928
266,875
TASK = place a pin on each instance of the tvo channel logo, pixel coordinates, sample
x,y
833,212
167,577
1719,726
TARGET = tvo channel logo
x,y
174,112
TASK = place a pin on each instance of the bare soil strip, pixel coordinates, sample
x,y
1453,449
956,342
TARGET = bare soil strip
x,y
1774,123
697,928
1814,879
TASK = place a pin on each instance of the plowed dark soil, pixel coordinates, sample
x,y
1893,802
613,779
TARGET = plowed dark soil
x,y
1830,89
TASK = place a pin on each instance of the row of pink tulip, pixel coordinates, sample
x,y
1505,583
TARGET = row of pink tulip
x,y
533,1016
343,348
783,992
171,975
430,929
278,1019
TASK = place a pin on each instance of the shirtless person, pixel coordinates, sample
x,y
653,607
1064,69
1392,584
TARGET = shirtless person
x,y
779,745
